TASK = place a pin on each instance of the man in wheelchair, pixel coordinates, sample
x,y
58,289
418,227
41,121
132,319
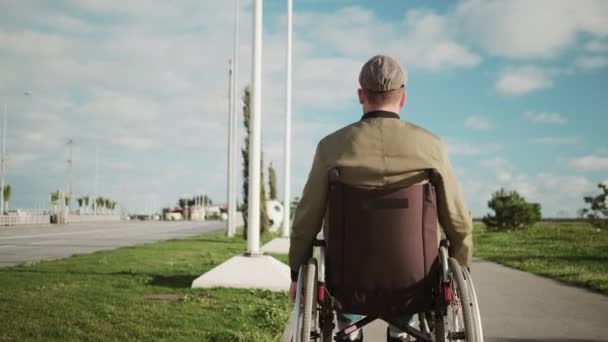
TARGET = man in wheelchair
x,y
378,187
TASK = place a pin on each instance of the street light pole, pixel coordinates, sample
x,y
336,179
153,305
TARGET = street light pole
x,y
95,181
3,161
232,144
253,222
230,228
70,163
287,176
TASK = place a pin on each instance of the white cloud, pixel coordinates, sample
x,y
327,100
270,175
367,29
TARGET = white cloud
x,y
589,163
470,149
597,46
422,40
428,44
520,81
587,63
530,29
558,140
477,123
545,118
501,167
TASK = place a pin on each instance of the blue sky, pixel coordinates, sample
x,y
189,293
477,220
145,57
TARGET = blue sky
x,y
515,89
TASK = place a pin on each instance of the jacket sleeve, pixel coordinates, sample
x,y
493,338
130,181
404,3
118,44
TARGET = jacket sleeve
x,y
453,214
308,218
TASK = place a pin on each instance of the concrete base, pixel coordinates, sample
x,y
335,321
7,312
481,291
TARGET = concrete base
x,y
277,246
247,272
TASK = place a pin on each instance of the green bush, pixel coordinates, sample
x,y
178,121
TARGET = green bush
x,y
597,214
511,211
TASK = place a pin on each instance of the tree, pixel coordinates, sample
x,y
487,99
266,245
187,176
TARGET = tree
x,y
86,203
7,197
597,213
67,200
272,182
294,206
245,154
264,222
54,197
99,202
511,211
80,201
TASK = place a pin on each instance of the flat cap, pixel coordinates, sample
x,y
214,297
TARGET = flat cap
x,y
382,73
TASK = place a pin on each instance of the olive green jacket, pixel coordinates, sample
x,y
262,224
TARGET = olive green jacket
x,y
380,149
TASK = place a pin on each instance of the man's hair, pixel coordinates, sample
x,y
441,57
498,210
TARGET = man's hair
x,y
383,98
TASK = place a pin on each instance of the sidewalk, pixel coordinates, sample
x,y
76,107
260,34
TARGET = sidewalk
x,y
521,307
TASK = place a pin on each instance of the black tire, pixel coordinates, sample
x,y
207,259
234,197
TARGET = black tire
x,y
459,284
475,305
439,328
310,288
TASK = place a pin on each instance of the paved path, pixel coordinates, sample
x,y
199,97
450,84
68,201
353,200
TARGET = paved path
x,y
520,307
19,244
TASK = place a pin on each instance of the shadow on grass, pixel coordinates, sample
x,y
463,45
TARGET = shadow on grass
x,y
180,281
177,281
223,241
525,339
549,258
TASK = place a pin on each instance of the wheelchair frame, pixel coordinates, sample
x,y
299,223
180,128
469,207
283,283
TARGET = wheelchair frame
x,y
455,316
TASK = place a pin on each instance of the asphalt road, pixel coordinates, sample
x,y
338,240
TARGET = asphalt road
x,y
520,307
19,244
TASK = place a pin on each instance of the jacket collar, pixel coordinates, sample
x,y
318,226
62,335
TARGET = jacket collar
x,y
380,114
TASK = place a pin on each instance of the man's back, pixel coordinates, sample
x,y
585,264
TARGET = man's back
x,y
380,149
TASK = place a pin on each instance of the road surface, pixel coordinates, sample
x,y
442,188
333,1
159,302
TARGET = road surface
x,y
19,244
520,307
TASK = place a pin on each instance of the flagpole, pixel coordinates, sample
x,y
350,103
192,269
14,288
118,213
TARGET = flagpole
x,y
253,222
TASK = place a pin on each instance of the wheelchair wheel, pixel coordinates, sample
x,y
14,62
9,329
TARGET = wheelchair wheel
x,y
476,313
457,325
309,307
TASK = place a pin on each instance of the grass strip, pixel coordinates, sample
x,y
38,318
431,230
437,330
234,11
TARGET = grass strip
x,y
574,253
137,293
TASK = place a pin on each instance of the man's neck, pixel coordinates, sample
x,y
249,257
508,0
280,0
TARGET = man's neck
x,y
392,109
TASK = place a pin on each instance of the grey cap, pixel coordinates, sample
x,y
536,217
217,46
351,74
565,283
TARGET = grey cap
x,y
382,73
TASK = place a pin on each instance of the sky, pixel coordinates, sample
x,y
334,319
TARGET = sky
x,y
515,89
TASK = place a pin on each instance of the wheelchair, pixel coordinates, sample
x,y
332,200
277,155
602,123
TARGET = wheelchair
x,y
382,258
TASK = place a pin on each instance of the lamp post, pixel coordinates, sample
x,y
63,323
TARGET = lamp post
x,y
70,163
3,160
231,152
287,176
3,157
232,145
253,222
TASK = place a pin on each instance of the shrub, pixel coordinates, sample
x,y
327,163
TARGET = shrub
x,y
597,214
511,211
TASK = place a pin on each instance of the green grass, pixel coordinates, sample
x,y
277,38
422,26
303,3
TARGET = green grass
x,y
137,293
574,253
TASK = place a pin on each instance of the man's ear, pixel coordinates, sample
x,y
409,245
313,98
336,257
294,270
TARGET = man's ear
x,y
403,98
361,95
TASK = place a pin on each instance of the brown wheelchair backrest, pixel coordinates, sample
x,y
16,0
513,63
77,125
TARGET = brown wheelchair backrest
x,y
382,248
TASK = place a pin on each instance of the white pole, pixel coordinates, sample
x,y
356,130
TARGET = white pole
x,y
231,166
287,176
96,181
233,146
70,162
2,165
253,232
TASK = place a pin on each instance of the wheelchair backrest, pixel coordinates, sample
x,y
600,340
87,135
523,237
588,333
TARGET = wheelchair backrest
x,y
380,242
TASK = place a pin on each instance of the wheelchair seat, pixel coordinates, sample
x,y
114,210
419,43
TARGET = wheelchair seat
x,y
382,248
